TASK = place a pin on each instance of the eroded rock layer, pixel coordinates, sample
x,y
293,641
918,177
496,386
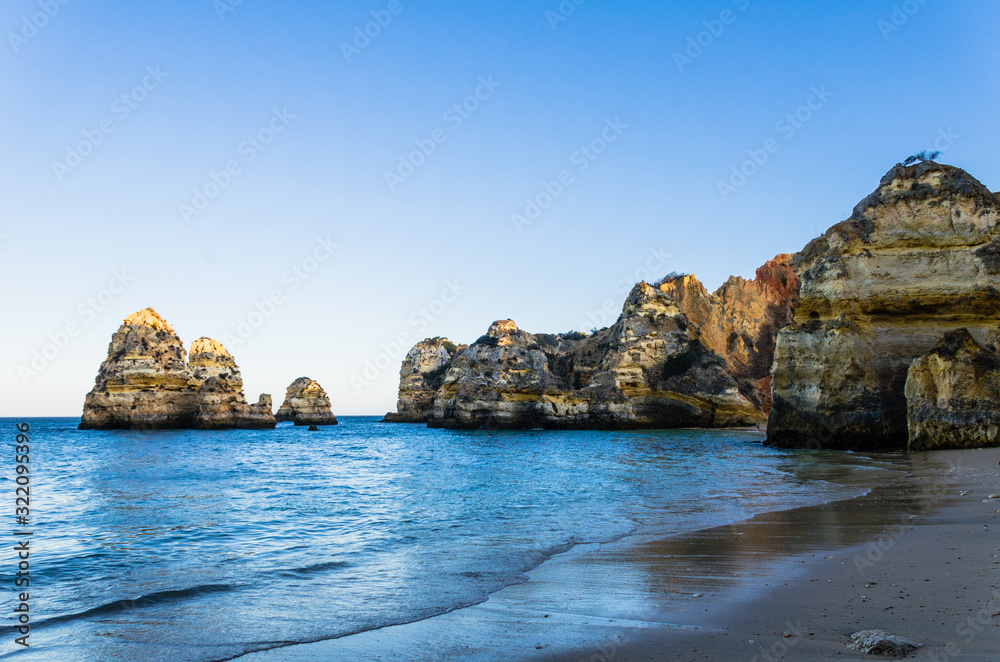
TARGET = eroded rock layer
x,y
677,356
420,378
953,395
740,321
306,403
648,370
145,382
917,258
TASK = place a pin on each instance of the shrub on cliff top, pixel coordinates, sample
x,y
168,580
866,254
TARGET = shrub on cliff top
x,y
546,340
450,347
922,156
673,275
487,340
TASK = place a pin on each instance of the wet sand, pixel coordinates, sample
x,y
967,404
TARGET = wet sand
x,y
932,573
918,557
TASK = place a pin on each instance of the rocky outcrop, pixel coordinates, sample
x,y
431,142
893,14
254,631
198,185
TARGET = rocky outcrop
x,y
740,321
306,403
953,395
649,370
146,383
917,258
677,356
420,378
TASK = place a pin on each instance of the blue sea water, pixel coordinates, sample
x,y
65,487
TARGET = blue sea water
x,y
196,546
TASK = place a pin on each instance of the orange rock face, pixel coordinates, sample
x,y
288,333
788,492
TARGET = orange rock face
x,y
741,319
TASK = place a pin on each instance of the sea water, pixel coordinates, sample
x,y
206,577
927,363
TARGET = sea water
x,y
195,546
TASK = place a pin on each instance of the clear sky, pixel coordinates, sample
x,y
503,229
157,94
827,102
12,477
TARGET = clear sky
x,y
118,122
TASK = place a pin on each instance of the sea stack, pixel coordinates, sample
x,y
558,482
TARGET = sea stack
x,y
918,258
306,403
146,383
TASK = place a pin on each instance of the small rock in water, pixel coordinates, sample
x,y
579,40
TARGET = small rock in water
x,y
313,428
880,642
994,496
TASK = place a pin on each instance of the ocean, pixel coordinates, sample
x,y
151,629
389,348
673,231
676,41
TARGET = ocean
x,y
200,546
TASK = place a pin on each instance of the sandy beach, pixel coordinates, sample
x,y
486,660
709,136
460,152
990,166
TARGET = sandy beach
x,y
917,557
931,574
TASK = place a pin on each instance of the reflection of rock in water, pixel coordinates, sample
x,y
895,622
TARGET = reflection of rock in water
x,y
720,558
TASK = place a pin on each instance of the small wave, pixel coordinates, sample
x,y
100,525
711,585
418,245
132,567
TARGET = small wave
x,y
314,568
125,605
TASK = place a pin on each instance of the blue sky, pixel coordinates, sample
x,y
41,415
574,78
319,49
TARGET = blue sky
x,y
119,121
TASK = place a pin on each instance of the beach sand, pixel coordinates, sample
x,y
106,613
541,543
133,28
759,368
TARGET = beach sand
x,y
919,557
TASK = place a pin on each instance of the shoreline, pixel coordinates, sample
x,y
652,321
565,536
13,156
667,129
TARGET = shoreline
x,y
640,599
934,577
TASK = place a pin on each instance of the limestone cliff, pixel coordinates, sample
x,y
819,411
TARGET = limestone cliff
x,y
145,382
953,395
306,403
917,258
740,321
677,356
648,370
420,378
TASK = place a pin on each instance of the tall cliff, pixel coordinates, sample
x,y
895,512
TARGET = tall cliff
x,y
740,321
146,382
420,378
918,258
677,356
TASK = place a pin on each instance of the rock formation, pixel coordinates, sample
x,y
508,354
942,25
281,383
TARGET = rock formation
x,y
740,321
146,383
953,395
648,370
880,642
917,258
421,377
306,403
677,356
